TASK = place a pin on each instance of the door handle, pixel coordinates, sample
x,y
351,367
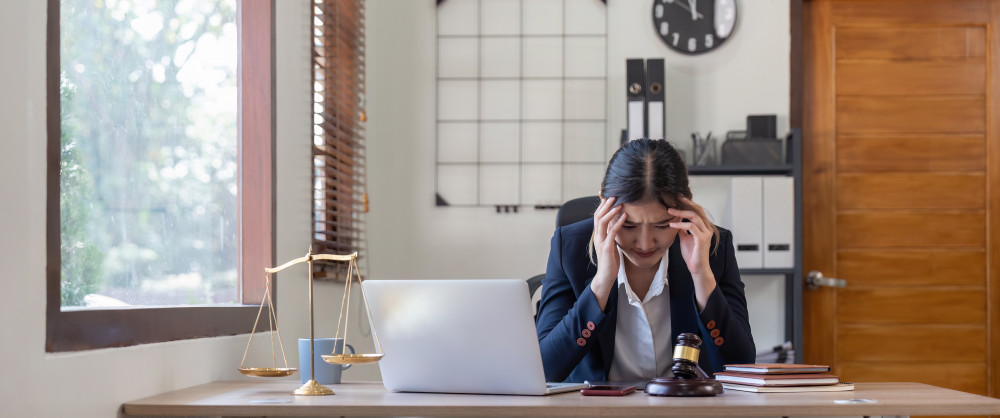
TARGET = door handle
x,y
815,280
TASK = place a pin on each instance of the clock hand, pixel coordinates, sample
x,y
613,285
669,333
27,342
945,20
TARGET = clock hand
x,y
694,9
693,13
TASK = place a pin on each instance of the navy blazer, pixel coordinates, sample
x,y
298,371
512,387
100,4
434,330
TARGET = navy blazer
x,y
577,339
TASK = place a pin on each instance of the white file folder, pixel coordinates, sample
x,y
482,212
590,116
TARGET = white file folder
x,y
636,122
655,120
745,218
779,202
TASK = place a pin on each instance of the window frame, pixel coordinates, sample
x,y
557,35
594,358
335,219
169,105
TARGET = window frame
x,y
87,329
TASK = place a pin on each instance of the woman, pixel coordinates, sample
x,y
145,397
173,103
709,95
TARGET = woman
x,y
620,288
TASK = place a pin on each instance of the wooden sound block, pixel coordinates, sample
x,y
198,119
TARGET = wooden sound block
x,y
683,387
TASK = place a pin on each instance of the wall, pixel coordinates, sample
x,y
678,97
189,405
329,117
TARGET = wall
x,y
411,238
95,383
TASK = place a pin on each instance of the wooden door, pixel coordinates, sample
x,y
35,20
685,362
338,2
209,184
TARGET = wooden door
x,y
901,190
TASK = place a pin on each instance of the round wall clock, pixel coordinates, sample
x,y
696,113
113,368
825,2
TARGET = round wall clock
x,y
694,26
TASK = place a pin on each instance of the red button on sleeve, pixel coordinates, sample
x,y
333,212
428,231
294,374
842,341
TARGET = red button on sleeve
x,y
710,325
585,333
715,333
719,341
590,325
581,342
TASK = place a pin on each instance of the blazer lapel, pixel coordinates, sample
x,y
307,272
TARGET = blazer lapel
x,y
681,294
607,338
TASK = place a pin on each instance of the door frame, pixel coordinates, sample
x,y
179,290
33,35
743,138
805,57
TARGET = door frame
x,y
993,201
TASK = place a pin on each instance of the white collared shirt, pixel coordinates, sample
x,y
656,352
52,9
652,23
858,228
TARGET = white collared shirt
x,y
642,331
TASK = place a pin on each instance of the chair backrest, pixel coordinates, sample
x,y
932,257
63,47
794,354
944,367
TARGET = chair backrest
x,y
572,211
577,210
535,292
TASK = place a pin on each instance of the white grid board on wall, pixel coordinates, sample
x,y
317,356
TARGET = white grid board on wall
x,y
521,101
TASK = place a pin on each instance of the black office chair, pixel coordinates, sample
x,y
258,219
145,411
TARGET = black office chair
x,y
577,210
572,211
535,292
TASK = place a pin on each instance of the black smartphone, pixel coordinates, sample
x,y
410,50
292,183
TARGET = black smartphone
x,y
607,390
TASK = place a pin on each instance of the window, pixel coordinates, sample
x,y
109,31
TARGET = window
x,y
160,208
339,197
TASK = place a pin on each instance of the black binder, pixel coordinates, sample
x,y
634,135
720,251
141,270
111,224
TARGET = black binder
x,y
655,103
635,86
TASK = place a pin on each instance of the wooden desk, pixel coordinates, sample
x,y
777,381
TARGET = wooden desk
x,y
273,398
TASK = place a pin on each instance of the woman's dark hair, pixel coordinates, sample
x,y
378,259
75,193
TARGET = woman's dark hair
x,y
645,170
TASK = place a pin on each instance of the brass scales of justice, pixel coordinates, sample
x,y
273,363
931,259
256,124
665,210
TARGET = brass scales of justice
x,y
312,387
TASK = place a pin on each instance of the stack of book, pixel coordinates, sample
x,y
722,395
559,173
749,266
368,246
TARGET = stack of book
x,y
779,377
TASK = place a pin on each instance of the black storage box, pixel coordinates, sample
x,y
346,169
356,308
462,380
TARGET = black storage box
x,y
752,151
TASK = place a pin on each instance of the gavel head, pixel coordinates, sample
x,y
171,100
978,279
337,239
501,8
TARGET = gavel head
x,y
688,339
686,356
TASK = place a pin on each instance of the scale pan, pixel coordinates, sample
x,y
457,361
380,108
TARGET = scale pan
x,y
352,358
268,371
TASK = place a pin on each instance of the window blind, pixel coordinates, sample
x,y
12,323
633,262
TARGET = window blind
x,y
340,199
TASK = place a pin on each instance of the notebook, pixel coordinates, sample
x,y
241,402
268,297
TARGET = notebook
x,y
458,336
789,389
777,368
777,379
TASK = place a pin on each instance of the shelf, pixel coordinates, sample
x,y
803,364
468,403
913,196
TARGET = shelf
x,y
736,170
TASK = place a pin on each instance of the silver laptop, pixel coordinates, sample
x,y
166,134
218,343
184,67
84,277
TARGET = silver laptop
x,y
458,336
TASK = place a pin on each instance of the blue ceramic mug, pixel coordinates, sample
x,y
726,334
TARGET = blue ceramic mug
x,y
326,373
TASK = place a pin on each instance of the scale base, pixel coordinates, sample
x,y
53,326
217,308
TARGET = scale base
x,y
313,388
683,387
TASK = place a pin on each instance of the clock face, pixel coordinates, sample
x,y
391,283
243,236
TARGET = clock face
x,y
694,26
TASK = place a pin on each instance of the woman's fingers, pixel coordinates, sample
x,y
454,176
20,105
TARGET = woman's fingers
x,y
603,208
606,220
602,215
695,215
691,219
693,223
615,227
684,213
600,209
685,226
696,208
598,214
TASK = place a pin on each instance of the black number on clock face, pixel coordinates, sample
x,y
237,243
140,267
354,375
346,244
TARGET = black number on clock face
x,y
694,26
